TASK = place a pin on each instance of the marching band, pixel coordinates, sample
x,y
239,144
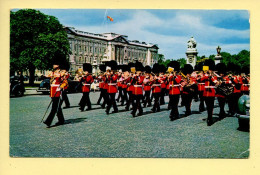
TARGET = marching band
x,y
136,84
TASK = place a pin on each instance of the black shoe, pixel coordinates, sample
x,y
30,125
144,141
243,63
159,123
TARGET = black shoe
x,y
81,109
133,114
48,125
144,106
66,107
149,105
153,110
158,110
122,104
139,114
98,103
209,122
103,106
107,112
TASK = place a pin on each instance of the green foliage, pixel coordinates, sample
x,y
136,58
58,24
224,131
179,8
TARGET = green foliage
x,y
35,40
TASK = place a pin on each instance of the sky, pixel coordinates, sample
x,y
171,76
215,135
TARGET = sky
x,y
169,29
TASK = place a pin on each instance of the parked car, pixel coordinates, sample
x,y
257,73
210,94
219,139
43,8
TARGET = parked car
x,y
45,86
16,87
244,112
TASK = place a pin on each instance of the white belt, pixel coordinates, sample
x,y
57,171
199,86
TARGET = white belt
x,y
210,87
156,84
86,84
138,85
175,85
246,84
201,83
112,84
57,85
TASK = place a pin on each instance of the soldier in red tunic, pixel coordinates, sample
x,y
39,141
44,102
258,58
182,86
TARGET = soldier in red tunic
x,y
209,92
246,81
124,84
86,81
119,85
163,80
222,81
188,90
112,87
101,79
64,70
55,93
138,90
174,89
130,87
147,86
156,88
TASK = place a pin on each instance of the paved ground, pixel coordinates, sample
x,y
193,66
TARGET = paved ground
x,y
95,134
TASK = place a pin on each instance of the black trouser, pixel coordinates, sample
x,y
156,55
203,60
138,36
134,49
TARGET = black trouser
x,y
106,98
174,106
85,101
221,102
56,108
182,99
162,102
65,98
101,95
210,105
137,104
120,96
156,105
202,106
129,101
233,102
187,98
147,98
124,96
112,102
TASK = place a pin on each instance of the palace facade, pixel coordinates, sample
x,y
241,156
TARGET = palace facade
x,y
98,48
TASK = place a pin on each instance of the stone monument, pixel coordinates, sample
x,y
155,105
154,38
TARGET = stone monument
x,y
218,57
191,52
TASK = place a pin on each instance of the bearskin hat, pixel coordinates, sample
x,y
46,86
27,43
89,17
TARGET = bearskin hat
x,y
199,66
221,68
175,65
231,67
187,69
210,63
87,67
139,66
245,69
156,68
102,67
148,69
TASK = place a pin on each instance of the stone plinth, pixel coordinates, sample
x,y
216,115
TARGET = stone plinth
x,y
191,57
218,59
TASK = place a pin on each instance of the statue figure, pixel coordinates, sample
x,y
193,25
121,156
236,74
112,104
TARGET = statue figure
x,y
218,50
192,43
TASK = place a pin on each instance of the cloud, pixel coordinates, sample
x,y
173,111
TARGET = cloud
x,y
171,32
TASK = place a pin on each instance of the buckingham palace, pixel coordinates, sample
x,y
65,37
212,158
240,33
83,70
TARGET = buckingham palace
x,y
98,48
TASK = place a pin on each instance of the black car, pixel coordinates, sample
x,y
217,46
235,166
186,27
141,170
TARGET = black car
x,y
45,86
16,87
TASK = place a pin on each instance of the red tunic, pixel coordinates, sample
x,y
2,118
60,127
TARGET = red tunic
x,y
174,85
245,85
86,83
156,86
138,87
237,81
55,84
112,82
209,86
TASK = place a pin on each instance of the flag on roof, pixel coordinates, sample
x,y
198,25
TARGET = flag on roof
x,y
111,19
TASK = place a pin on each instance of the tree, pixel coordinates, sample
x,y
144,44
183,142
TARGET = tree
x,y
36,40
182,62
161,58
